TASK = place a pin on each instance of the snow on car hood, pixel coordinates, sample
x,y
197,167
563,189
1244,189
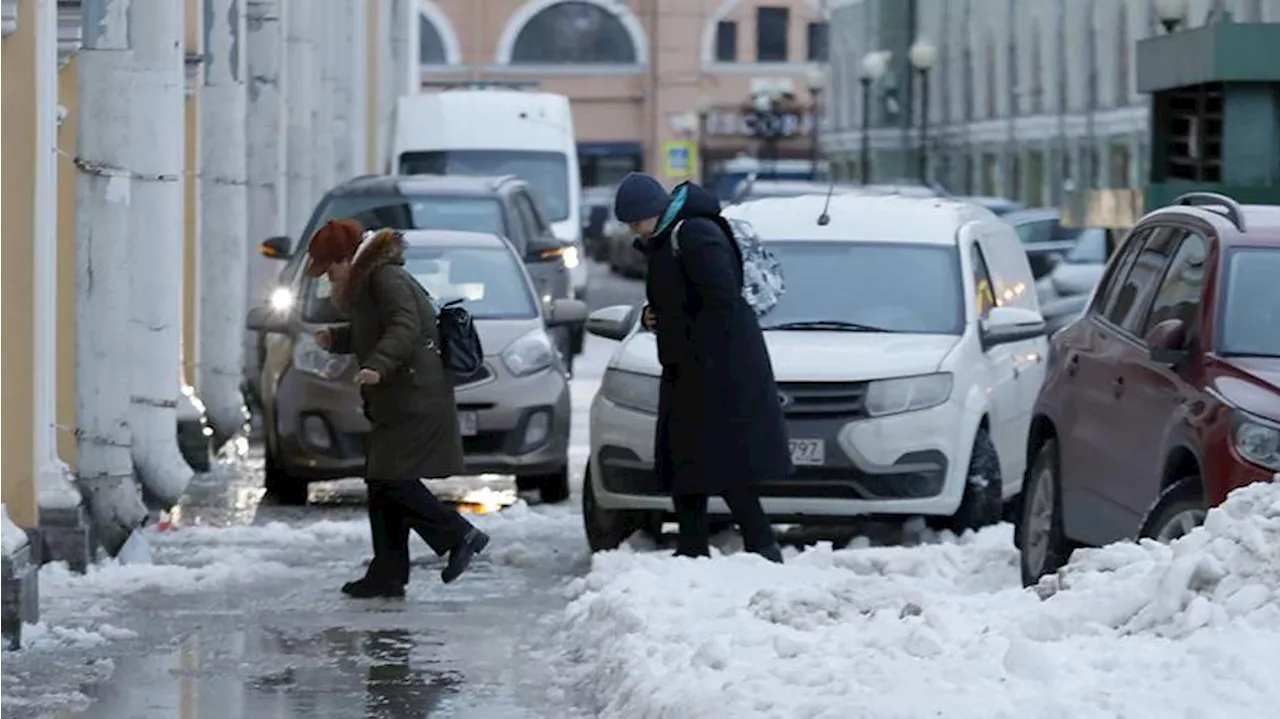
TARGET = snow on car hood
x,y
820,356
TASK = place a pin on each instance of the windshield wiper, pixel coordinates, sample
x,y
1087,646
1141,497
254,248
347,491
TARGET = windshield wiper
x,y
829,325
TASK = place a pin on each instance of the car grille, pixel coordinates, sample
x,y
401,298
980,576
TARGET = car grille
x,y
823,399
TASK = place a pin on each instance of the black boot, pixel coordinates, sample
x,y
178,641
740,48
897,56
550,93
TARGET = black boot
x,y
372,587
460,556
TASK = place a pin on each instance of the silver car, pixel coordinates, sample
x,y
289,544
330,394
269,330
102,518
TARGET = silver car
x,y
514,416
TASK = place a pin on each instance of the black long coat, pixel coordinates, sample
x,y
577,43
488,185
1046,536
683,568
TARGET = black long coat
x,y
720,423
412,408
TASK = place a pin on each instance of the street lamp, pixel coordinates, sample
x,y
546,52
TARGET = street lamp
x,y
767,123
817,80
874,65
923,55
1172,13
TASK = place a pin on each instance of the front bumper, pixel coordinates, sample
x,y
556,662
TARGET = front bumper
x,y
522,425
907,464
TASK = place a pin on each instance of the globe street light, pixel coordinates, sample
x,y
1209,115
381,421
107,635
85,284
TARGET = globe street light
x,y
874,65
1172,13
923,54
817,81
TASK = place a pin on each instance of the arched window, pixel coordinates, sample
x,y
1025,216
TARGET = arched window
x,y
573,33
431,49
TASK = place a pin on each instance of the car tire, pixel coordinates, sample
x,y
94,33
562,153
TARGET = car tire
x,y
1042,545
982,504
1179,509
607,529
553,488
281,487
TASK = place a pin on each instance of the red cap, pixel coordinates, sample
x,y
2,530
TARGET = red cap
x,y
335,242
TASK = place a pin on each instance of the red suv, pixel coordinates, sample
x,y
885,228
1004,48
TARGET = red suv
x,y
1164,395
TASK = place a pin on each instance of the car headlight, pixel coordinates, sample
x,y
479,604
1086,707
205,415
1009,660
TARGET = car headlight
x,y
631,390
281,299
571,257
311,358
531,353
907,394
1257,440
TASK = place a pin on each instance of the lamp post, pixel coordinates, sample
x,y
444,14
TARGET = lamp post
x,y
923,55
874,66
704,111
1171,13
817,80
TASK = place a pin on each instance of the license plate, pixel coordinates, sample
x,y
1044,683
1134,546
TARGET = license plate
x,y
467,424
808,452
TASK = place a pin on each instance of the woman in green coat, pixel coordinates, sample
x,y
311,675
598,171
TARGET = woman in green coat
x,y
408,398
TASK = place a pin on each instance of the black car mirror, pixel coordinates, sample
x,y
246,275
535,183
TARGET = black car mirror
x,y
279,247
1004,325
266,319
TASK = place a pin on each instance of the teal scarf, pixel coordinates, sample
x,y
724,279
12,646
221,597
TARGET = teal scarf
x,y
673,210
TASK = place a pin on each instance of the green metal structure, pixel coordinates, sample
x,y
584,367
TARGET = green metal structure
x,y
1215,111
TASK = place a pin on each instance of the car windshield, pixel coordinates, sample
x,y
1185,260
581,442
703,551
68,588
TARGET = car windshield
x,y
419,212
490,279
1090,248
1251,311
546,172
868,286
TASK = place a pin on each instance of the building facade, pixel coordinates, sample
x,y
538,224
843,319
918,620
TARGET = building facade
x,y
645,78
1027,99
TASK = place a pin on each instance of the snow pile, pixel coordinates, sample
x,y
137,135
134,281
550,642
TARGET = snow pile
x,y
943,629
1227,570
12,538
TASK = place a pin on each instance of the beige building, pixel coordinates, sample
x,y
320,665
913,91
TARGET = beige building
x,y
647,79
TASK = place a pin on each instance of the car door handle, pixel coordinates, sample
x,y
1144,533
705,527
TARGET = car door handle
x,y
1117,387
1073,365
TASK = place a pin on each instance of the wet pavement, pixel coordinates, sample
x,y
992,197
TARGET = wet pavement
x,y
239,615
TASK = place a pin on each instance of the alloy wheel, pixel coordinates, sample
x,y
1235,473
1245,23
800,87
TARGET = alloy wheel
x,y
1039,521
1180,525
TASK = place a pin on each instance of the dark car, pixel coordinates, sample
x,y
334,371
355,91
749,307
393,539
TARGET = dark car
x,y
502,206
1043,236
1165,394
597,211
513,414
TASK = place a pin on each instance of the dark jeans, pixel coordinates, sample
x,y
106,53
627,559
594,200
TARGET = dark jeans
x,y
397,506
744,505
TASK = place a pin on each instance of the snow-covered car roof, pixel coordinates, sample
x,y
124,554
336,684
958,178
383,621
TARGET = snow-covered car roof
x,y
858,218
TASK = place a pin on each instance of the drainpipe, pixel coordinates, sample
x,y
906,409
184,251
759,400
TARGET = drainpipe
x,y
104,354
341,63
265,150
322,163
300,142
223,196
62,519
359,89
156,249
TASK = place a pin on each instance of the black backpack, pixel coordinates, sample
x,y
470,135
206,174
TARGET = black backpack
x,y
459,348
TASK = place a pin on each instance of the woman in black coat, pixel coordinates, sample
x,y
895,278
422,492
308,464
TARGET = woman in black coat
x,y
408,398
720,427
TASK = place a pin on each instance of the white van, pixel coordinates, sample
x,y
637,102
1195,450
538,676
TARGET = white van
x,y
498,131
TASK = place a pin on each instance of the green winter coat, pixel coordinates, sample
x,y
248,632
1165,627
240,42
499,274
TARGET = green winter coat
x,y
392,331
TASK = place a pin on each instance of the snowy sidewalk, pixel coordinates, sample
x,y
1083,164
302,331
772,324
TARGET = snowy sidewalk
x,y
942,630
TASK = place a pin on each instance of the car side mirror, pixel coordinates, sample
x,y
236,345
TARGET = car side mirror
x,y
1167,341
613,322
566,312
266,319
1004,325
279,247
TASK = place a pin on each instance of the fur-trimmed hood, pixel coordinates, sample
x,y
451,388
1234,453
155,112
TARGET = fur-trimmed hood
x,y
384,247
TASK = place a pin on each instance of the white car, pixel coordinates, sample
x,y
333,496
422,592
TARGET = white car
x,y
908,349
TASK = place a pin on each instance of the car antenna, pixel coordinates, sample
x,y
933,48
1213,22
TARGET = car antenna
x,y
825,219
